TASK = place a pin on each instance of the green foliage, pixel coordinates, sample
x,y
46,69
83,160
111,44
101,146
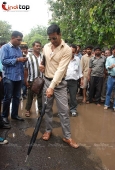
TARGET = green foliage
x,y
5,31
85,22
36,34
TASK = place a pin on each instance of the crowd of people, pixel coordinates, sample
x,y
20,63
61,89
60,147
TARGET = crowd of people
x,y
65,68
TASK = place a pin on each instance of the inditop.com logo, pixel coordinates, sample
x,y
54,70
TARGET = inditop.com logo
x,y
15,8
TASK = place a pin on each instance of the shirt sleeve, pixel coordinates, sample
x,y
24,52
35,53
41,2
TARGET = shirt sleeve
x,y
0,74
26,64
1,66
90,63
80,69
82,63
107,63
5,59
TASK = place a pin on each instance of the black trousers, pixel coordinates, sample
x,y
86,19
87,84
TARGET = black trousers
x,y
30,96
95,87
72,86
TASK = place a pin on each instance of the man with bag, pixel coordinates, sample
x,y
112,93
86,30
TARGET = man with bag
x,y
57,57
31,73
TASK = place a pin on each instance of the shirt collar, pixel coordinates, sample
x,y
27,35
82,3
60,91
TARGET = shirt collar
x,y
113,56
61,45
12,46
74,58
88,55
35,55
99,57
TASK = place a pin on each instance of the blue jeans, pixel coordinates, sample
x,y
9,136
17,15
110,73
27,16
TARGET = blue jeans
x,y
110,85
12,90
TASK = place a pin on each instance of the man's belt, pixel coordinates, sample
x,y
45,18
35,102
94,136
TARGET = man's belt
x,y
71,80
112,76
50,79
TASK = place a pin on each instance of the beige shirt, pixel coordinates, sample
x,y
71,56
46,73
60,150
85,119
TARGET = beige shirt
x,y
56,62
85,64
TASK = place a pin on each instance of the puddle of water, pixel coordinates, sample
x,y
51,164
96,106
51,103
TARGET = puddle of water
x,y
12,135
107,157
90,128
29,132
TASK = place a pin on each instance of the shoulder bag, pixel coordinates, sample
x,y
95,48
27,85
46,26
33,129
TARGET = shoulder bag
x,y
38,82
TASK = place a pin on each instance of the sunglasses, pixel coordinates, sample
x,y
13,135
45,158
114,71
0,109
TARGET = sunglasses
x,y
53,38
19,39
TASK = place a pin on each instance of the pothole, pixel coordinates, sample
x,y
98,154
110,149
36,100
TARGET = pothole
x,y
12,135
29,132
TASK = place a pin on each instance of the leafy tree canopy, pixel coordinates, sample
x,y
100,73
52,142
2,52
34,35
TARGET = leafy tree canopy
x,y
85,22
5,31
36,34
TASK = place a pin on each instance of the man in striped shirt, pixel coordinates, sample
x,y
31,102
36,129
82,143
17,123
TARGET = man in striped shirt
x,y
32,72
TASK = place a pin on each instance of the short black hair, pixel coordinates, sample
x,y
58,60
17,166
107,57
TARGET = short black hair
x,y
33,44
113,47
79,45
89,46
2,43
53,28
16,34
23,46
73,46
97,48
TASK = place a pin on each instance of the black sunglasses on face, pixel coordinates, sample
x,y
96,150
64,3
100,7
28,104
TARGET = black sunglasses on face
x,y
19,39
53,38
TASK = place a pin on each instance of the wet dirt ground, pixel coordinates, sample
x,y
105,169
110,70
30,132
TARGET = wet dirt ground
x,y
93,129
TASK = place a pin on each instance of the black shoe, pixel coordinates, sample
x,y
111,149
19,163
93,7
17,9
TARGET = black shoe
x,y
6,126
18,118
5,120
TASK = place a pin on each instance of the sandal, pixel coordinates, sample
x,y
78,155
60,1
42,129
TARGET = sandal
x,y
27,114
87,102
46,136
84,101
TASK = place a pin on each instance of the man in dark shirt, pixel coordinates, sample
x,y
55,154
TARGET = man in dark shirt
x,y
96,75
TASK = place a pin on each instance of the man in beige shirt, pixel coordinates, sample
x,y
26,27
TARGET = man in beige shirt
x,y
57,57
85,67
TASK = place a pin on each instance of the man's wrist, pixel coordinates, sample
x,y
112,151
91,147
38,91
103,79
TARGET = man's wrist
x,y
17,59
82,78
52,85
110,67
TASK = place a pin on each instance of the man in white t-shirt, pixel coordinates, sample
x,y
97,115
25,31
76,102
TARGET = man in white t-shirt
x,y
74,73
